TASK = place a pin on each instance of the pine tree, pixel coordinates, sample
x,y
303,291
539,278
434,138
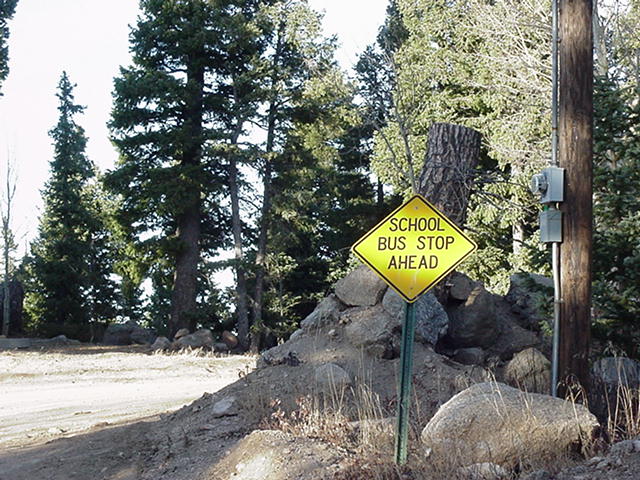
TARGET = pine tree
x,y
178,114
616,287
7,9
59,265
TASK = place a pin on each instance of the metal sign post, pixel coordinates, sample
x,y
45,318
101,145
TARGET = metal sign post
x,y
406,368
412,249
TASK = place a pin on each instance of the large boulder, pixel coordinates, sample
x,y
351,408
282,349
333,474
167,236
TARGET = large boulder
x,y
360,288
614,371
199,339
474,322
529,370
127,334
326,313
372,329
431,319
612,377
495,423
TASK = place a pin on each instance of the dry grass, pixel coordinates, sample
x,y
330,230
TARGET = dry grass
x,y
623,420
355,420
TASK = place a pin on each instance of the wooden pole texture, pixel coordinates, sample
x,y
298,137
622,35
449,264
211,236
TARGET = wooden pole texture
x,y
575,145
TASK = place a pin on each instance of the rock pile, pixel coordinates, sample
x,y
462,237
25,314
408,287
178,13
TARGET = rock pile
x,y
472,326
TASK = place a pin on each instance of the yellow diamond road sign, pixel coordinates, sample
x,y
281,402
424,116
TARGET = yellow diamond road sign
x,y
414,248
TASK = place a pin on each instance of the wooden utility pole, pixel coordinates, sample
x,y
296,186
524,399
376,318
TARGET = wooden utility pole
x,y
575,146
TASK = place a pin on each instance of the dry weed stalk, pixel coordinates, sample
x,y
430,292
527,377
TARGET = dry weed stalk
x,y
623,420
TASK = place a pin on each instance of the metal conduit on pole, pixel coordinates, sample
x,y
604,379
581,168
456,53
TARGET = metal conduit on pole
x,y
565,190
555,246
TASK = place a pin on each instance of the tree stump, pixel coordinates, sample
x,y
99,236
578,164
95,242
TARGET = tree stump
x,y
447,176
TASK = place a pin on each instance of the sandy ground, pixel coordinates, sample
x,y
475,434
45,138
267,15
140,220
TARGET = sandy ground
x,y
49,394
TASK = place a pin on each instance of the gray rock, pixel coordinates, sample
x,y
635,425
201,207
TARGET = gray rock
x,y
625,447
118,334
530,371
161,343
181,333
331,377
230,339
614,371
513,338
326,313
370,328
431,319
483,471
473,323
126,334
62,340
461,286
199,339
495,423
470,356
360,288
224,407
279,355
296,334
220,347
142,336
537,475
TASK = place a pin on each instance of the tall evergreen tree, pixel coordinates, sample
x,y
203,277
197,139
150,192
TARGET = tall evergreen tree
x,y
58,270
298,62
178,114
7,9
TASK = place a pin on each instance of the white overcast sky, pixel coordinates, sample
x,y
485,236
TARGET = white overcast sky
x,y
89,39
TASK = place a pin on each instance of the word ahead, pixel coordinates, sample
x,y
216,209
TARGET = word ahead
x,y
414,248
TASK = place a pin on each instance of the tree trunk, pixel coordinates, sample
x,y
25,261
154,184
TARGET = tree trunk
x,y
575,155
261,254
599,43
183,295
517,232
447,175
7,237
241,282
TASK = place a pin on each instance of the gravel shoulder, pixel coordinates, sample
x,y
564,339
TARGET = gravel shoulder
x,y
49,394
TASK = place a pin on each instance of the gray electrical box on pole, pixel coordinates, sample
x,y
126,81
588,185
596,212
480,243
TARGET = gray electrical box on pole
x,y
549,185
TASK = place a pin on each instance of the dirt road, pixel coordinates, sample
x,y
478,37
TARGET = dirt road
x,y
57,393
